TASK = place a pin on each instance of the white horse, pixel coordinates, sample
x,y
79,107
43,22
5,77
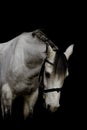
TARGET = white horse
x,y
21,62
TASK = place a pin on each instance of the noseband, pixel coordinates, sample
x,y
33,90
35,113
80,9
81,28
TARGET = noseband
x,y
42,82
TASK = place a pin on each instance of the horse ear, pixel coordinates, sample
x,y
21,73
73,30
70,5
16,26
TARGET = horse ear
x,y
49,49
50,52
69,51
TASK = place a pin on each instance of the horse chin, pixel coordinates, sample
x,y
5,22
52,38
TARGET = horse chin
x,y
53,109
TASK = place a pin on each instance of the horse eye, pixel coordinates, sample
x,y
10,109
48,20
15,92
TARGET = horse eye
x,y
47,74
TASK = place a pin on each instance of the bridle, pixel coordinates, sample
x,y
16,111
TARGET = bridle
x,y
42,86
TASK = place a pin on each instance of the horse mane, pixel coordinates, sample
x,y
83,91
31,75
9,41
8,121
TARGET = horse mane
x,y
41,36
60,63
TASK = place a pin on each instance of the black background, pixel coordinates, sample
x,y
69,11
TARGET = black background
x,y
64,25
